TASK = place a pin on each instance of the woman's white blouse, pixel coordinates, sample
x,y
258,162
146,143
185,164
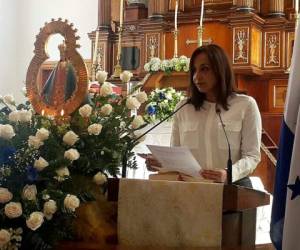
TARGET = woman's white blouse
x,y
201,131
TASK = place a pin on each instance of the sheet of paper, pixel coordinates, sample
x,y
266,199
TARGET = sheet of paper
x,y
176,159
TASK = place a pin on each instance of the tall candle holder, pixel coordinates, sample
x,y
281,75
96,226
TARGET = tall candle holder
x,y
118,67
175,43
200,30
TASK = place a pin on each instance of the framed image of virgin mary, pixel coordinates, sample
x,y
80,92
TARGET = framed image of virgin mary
x,y
65,87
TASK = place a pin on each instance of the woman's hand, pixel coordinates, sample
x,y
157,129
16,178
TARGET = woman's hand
x,y
217,175
152,164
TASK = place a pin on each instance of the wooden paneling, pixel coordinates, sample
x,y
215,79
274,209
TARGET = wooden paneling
x,y
256,46
277,92
189,31
272,124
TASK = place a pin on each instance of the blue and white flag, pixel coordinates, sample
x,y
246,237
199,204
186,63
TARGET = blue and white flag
x,y
285,221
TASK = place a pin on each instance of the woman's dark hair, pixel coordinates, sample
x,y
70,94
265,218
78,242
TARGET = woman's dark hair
x,y
222,70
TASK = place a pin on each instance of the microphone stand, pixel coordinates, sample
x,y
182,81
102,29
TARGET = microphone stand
x,y
229,161
124,159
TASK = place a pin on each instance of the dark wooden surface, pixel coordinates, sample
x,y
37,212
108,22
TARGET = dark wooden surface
x,y
92,246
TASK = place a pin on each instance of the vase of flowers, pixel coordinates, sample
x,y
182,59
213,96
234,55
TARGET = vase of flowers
x,y
161,103
44,160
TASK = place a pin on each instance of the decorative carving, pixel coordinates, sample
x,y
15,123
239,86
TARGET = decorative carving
x,y
152,45
100,57
130,28
69,56
272,49
241,45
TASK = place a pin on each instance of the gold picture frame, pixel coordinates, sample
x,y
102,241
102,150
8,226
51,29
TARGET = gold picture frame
x,y
40,56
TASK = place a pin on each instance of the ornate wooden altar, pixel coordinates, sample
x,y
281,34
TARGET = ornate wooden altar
x,y
258,35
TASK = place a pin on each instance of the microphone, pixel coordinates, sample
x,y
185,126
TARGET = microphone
x,y
124,161
229,161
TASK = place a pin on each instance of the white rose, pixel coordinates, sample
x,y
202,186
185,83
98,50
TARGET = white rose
x,y
4,237
147,67
125,76
106,109
13,210
186,68
42,134
40,164
132,103
142,97
137,122
9,99
106,89
34,142
95,129
25,115
13,116
35,220
29,192
71,202
50,208
155,67
99,178
86,110
168,96
7,131
5,195
70,138
101,76
72,154
62,172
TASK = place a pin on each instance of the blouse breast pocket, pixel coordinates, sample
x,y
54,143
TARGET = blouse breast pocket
x,y
189,136
233,132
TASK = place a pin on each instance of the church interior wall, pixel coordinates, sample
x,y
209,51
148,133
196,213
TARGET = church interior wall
x,y
20,21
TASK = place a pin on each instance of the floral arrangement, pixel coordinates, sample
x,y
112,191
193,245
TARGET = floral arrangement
x,y
175,64
43,158
161,103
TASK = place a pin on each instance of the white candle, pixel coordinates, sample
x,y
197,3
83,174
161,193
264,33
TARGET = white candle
x,y
202,13
96,47
297,6
121,12
176,11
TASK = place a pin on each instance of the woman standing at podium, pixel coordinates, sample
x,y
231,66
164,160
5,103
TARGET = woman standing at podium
x,y
213,100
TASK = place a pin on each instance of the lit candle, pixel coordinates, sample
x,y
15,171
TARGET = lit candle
x,y
176,11
202,13
297,6
96,47
43,112
62,112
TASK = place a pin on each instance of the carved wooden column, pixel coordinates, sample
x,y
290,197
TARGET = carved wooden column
x,y
105,37
276,8
245,5
157,8
104,13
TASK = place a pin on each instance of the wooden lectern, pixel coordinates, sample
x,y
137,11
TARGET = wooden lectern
x,y
238,222
239,212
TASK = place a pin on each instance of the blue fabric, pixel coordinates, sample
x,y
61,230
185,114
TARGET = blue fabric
x,y
280,188
7,155
32,174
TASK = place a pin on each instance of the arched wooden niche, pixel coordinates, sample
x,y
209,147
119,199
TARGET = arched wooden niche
x,y
66,87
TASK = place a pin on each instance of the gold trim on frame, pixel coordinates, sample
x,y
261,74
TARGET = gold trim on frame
x,y
40,56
